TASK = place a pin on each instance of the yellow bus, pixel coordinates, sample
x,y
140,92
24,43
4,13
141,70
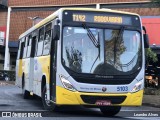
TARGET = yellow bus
x,y
83,56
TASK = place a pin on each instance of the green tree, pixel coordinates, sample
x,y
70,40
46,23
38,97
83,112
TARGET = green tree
x,y
151,56
156,2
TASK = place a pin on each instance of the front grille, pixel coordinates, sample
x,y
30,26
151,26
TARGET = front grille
x,y
92,79
115,81
92,99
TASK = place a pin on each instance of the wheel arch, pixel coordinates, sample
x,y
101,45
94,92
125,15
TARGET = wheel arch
x,y
23,75
43,83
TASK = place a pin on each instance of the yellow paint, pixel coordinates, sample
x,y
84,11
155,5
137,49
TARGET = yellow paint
x,y
44,61
25,68
20,68
66,97
46,20
99,10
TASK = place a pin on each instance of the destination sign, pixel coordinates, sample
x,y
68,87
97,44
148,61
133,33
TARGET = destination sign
x,y
101,17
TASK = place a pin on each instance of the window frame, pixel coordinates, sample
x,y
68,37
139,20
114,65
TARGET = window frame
x,y
46,31
38,42
29,45
19,50
27,42
35,33
25,46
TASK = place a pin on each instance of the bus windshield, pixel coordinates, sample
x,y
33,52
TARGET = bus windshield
x,y
119,51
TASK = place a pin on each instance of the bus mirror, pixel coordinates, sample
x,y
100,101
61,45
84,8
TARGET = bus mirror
x,y
56,32
146,40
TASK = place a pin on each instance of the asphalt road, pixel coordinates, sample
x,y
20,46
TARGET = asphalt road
x,y
11,101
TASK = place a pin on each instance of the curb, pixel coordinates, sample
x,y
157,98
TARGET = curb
x,y
3,83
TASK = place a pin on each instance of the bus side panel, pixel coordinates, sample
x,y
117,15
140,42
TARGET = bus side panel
x,y
31,74
37,76
25,69
41,68
19,72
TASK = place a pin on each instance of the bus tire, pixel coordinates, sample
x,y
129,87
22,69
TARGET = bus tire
x,y
47,104
110,110
25,93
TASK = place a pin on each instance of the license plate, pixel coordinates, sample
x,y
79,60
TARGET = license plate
x,y
103,102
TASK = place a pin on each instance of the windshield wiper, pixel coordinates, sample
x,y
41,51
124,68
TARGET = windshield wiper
x,y
115,43
95,41
91,36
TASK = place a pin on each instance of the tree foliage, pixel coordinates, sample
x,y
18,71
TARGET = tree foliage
x,y
151,56
156,2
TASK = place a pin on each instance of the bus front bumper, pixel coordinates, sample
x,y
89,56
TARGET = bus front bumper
x,y
66,97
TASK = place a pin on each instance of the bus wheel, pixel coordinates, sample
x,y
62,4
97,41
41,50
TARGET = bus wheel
x,y
26,94
110,110
47,104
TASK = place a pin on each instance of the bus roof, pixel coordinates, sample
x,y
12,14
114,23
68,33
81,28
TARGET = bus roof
x,y
99,10
53,15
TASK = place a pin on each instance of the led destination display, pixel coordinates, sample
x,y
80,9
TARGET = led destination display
x,y
101,17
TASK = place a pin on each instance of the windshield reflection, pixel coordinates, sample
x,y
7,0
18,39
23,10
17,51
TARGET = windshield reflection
x,y
79,52
118,54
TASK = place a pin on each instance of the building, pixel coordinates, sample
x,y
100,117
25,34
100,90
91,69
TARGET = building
x,y
3,23
23,14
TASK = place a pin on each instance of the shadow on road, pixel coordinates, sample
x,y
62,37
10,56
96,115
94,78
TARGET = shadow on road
x,y
12,100
68,111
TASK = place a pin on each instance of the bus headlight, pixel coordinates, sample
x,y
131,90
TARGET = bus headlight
x,y
66,83
137,87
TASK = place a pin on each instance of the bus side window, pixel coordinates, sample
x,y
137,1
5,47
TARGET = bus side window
x,y
47,39
19,49
34,46
25,48
29,46
40,42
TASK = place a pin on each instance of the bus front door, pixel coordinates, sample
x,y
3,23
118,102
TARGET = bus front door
x,y
31,70
53,70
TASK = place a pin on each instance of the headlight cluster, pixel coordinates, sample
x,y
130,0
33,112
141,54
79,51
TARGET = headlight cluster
x,y
66,83
137,86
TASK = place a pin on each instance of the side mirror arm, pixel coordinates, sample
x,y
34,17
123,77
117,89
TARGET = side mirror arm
x,y
146,38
